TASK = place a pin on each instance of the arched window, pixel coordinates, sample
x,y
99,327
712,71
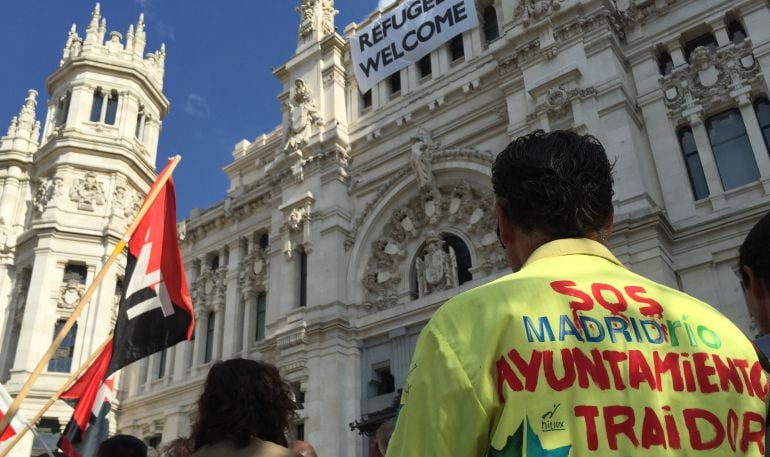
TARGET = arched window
x,y
61,362
210,323
264,239
762,107
732,149
491,28
736,32
692,161
261,314
463,256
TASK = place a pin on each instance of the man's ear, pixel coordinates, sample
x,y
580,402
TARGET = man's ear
x,y
755,287
504,231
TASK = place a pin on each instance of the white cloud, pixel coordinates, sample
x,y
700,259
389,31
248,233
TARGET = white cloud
x,y
197,106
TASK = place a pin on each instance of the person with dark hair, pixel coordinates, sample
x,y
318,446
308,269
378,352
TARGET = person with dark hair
x,y
754,262
180,447
573,354
244,411
122,446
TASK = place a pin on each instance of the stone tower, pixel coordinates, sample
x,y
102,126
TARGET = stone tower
x,y
68,198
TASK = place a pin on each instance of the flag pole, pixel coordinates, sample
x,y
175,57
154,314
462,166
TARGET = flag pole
x,y
161,181
54,397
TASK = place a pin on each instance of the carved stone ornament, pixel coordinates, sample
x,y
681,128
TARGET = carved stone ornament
x,y
252,272
47,190
296,219
87,192
303,115
20,299
634,12
313,11
710,78
556,101
436,269
209,288
458,206
533,10
70,294
126,201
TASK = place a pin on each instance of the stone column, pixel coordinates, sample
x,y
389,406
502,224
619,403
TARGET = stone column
x,y
200,338
677,55
401,357
231,344
10,194
720,32
755,135
106,95
249,315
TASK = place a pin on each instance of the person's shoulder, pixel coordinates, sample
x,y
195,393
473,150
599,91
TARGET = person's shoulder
x,y
268,449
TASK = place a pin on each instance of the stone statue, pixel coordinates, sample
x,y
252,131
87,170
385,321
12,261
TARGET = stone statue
x,y
421,158
436,269
303,115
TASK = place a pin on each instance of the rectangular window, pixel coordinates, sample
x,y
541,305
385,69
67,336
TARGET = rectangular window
x,y
732,149
366,99
707,40
62,109
112,108
209,349
96,106
762,107
261,313
162,364
457,48
700,188
77,272
302,279
382,381
491,29
394,83
425,67
61,362
299,395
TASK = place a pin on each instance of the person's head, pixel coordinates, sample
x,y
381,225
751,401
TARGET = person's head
x,y
550,186
180,447
243,399
754,262
302,448
122,446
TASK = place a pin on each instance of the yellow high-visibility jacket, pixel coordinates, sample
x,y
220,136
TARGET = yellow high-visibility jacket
x,y
574,355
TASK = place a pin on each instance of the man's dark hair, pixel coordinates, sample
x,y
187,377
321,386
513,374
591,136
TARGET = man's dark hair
x,y
122,446
243,399
557,183
755,251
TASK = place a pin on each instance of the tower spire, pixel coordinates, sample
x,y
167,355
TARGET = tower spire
x,y
24,126
93,27
140,39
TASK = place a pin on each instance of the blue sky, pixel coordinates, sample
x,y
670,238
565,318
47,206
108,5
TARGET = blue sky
x,y
218,70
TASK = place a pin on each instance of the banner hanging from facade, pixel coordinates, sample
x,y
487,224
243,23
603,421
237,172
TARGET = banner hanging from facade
x,y
405,34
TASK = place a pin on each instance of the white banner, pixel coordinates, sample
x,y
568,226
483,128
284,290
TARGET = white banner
x,y
405,34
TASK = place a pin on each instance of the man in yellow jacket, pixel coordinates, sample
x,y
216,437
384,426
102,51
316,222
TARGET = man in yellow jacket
x,y
573,354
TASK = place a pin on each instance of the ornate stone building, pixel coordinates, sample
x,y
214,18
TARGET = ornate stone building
x,y
349,224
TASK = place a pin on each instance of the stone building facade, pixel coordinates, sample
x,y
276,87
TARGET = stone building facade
x,y
346,227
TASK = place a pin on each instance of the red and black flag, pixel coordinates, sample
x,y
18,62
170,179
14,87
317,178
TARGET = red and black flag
x,y
155,310
92,396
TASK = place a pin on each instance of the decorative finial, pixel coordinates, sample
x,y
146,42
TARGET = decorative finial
x,y
31,100
35,136
12,126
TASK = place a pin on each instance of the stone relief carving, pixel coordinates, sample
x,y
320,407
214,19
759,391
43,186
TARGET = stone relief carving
x,y
459,206
436,269
87,192
303,115
252,271
209,288
534,10
710,78
557,100
47,191
296,219
421,157
70,293
309,10
437,154
20,298
126,201
638,11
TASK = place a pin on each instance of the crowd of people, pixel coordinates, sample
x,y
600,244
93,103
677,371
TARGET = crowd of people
x,y
571,343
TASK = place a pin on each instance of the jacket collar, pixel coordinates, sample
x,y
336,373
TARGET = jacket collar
x,y
572,246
